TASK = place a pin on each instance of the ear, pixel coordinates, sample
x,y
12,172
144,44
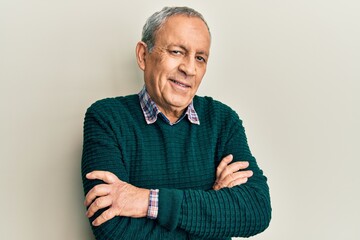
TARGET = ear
x,y
141,52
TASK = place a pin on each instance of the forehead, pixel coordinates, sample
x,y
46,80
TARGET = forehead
x,y
184,30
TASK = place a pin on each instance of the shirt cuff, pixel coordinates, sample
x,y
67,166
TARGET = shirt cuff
x,y
153,209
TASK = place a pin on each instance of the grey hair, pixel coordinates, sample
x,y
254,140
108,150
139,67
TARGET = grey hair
x,y
158,19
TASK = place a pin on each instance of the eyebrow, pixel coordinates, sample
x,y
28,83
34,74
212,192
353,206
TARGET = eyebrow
x,y
185,49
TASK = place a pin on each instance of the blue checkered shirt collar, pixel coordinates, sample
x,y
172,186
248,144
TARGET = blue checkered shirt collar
x,y
151,111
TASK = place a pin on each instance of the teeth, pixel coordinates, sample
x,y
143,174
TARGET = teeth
x,y
180,84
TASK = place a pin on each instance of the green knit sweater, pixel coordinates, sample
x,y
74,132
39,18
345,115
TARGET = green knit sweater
x,y
179,160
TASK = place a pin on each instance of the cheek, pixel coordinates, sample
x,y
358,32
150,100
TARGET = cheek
x,y
166,66
198,84
200,76
170,65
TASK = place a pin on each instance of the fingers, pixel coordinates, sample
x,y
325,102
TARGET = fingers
x,y
105,216
97,191
237,182
233,179
105,176
233,167
230,174
223,164
99,203
104,195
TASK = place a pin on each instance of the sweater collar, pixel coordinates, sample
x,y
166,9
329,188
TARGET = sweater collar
x,y
151,111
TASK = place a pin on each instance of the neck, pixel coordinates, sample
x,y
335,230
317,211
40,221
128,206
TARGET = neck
x,y
172,114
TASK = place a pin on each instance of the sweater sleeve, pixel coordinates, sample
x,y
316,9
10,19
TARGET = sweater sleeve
x,y
241,211
101,152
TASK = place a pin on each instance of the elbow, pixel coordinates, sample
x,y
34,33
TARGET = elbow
x,y
259,216
263,219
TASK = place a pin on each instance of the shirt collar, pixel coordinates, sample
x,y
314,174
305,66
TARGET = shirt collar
x,y
151,111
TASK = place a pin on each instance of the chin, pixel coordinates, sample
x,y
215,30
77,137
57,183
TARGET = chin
x,y
181,104
179,101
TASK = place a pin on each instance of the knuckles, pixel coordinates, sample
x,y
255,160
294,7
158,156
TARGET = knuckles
x,y
106,215
97,188
98,202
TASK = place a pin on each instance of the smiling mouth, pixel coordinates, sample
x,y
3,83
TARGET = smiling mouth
x,y
180,84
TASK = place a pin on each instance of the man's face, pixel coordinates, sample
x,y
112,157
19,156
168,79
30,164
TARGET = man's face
x,y
174,69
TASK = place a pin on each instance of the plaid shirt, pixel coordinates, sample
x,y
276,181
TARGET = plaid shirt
x,y
151,112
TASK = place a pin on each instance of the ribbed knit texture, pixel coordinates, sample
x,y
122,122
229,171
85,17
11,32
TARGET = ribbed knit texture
x,y
181,161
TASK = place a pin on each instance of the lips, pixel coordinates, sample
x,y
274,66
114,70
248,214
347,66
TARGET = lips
x,y
180,83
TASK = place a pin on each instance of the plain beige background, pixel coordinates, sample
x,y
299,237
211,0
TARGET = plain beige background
x,y
289,68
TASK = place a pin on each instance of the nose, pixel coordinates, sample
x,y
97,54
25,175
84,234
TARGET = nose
x,y
188,66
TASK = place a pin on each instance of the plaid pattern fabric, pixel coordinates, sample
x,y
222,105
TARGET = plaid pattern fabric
x,y
153,204
151,111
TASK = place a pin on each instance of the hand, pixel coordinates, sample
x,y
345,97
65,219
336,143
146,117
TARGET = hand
x,y
123,199
229,175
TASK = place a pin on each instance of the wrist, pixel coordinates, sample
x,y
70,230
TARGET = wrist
x,y
138,207
145,202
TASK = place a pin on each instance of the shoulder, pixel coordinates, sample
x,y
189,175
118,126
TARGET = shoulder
x,y
114,104
209,107
116,109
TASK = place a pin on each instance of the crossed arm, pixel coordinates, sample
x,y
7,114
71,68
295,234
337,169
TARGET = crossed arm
x,y
231,208
124,199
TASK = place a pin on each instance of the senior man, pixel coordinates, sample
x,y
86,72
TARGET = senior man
x,y
165,163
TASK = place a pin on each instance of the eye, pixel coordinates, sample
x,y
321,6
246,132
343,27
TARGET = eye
x,y
201,59
175,52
